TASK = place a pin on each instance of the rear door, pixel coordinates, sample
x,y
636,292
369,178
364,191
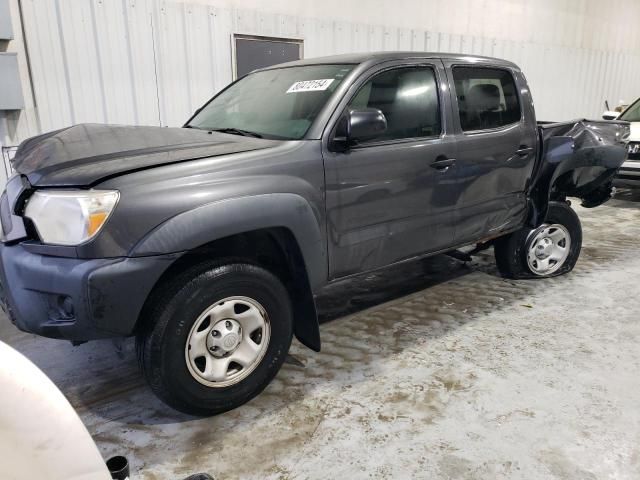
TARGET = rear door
x,y
497,140
389,198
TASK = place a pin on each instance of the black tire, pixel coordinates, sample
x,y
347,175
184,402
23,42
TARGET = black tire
x,y
170,315
511,250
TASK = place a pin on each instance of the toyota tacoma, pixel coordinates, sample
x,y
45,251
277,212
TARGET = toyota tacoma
x,y
208,242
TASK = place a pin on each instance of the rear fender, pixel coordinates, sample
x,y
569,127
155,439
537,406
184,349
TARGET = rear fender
x,y
578,159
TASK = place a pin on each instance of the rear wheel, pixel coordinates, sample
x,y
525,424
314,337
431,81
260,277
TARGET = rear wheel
x,y
549,250
216,336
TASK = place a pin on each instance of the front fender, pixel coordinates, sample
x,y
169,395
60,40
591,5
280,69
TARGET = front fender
x,y
220,219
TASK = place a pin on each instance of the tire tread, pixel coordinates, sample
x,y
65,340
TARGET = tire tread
x,y
509,249
157,315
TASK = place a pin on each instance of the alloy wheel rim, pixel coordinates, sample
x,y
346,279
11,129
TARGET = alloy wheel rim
x,y
227,341
548,248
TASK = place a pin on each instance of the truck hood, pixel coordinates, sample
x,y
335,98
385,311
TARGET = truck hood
x,y
86,154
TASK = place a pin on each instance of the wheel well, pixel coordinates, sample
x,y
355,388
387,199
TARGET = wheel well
x,y
274,249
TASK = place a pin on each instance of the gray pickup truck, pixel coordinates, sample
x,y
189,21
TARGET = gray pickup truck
x,y
209,242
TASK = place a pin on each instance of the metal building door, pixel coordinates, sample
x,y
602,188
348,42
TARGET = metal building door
x,y
253,52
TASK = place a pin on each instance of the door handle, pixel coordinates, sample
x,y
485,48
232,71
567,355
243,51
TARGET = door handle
x,y
442,163
524,150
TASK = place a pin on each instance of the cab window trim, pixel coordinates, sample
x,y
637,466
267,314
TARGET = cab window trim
x,y
380,143
456,106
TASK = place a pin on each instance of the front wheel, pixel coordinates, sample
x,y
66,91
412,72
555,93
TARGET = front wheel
x,y
215,337
551,249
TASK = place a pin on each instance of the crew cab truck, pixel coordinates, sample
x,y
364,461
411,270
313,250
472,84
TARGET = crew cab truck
x,y
208,242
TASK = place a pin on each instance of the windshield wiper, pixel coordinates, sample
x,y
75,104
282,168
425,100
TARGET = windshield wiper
x,y
237,131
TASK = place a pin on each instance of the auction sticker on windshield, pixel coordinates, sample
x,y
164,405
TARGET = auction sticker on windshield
x,y
310,85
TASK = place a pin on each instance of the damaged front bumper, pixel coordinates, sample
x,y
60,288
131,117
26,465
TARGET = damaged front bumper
x,y
76,299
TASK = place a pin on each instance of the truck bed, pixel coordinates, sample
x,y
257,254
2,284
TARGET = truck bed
x,y
579,158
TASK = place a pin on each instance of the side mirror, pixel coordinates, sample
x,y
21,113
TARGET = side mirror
x,y
610,115
365,124
359,125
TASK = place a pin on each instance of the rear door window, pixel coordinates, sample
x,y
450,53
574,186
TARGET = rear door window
x,y
487,98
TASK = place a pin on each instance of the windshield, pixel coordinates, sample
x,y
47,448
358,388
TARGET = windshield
x,y
632,114
278,103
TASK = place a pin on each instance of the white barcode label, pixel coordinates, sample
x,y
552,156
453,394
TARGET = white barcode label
x,y
310,85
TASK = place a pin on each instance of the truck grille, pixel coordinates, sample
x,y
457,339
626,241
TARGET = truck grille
x,y
633,149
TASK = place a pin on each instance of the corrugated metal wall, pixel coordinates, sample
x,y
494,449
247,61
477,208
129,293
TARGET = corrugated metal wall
x,y
154,61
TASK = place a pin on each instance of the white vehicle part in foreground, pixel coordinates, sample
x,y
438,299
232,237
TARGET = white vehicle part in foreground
x,y
41,436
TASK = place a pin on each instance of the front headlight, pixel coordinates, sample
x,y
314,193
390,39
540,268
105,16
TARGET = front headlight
x,y
70,217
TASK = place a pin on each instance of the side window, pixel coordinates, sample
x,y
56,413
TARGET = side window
x,y
487,98
408,97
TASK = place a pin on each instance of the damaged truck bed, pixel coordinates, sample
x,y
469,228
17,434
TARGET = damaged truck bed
x,y
578,158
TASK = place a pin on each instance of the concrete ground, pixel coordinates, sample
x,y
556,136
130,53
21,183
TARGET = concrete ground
x,y
431,370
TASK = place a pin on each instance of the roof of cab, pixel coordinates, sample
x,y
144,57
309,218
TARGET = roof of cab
x,y
377,57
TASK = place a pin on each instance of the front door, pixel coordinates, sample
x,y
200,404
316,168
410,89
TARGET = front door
x,y
388,198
